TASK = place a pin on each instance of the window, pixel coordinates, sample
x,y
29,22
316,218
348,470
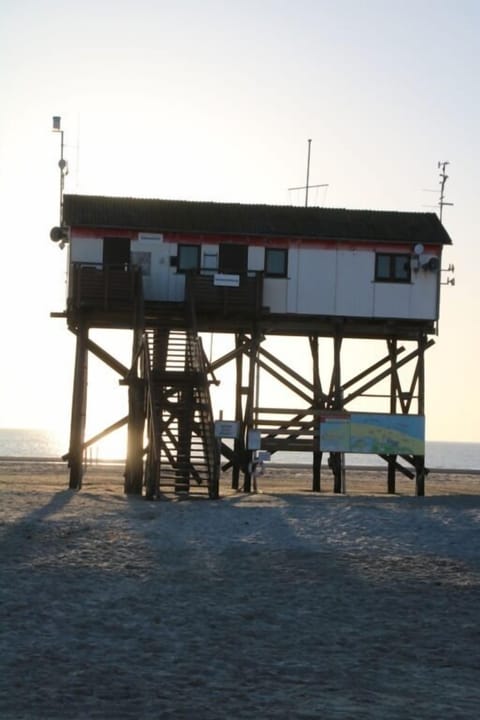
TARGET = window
x,y
276,262
188,258
390,267
210,262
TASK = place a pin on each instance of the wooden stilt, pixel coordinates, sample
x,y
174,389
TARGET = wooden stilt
x,y
317,398
392,459
420,475
317,465
336,466
420,459
392,467
136,424
249,412
79,408
238,443
337,404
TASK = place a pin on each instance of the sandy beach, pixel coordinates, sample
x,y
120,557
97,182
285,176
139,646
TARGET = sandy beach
x,y
281,604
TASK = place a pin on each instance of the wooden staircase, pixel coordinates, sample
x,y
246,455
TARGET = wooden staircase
x,y
182,455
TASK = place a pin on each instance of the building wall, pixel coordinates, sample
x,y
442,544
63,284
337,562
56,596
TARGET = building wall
x,y
329,279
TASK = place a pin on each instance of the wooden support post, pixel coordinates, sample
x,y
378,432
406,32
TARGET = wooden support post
x,y
136,424
336,467
420,459
391,479
337,404
152,472
317,394
392,459
79,408
249,413
420,475
317,465
238,445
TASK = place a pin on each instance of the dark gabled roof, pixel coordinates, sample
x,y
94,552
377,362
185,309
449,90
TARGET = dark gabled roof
x,y
252,220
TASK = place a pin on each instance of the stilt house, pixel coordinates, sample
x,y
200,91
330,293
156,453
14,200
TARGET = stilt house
x,y
169,270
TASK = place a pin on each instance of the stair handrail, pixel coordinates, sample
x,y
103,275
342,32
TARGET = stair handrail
x,y
201,366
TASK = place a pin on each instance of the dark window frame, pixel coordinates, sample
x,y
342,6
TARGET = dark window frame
x,y
394,274
283,273
196,266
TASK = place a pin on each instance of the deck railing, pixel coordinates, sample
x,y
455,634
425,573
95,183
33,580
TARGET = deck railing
x,y
209,294
104,287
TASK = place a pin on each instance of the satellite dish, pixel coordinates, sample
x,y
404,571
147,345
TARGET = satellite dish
x,y
418,249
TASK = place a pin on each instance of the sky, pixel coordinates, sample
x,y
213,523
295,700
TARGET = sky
x,y
216,101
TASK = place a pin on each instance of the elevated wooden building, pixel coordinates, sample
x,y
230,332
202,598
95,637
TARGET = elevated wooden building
x,y
170,270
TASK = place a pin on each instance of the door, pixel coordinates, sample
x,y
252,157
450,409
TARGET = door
x,y
233,259
152,255
116,251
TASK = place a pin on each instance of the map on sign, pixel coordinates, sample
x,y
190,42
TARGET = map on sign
x,y
373,433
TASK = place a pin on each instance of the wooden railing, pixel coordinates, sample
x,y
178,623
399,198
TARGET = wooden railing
x,y
107,287
244,299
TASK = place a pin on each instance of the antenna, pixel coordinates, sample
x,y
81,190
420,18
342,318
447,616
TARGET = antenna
x,y
308,186
62,164
443,179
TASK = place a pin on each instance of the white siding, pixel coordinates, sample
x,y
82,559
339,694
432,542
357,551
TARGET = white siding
x,y
291,290
321,281
424,293
392,300
354,283
275,294
315,282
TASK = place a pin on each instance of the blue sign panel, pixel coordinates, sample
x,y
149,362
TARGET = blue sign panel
x,y
373,433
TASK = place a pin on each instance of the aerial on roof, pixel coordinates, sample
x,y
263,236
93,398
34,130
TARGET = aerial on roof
x,y
252,220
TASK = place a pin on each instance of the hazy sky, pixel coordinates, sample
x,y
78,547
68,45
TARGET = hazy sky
x,y
215,101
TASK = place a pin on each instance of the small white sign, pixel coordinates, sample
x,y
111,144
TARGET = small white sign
x,y
254,440
150,237
227,428
222,280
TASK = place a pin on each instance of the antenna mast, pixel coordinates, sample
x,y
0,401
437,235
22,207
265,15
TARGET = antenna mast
x,y
308,172
308,186
442,166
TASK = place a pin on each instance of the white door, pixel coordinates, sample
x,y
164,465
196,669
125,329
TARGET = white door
x,y
152,255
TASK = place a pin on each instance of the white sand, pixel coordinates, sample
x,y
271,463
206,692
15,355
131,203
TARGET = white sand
x,y
277,605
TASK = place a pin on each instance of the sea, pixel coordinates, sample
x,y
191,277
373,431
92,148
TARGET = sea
x,y
47,445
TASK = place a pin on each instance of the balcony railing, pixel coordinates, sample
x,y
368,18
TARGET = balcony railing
x,y
104,287
209,294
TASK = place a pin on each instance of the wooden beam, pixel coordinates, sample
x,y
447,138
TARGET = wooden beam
x,y
385,373
107,358
99,436
287,370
